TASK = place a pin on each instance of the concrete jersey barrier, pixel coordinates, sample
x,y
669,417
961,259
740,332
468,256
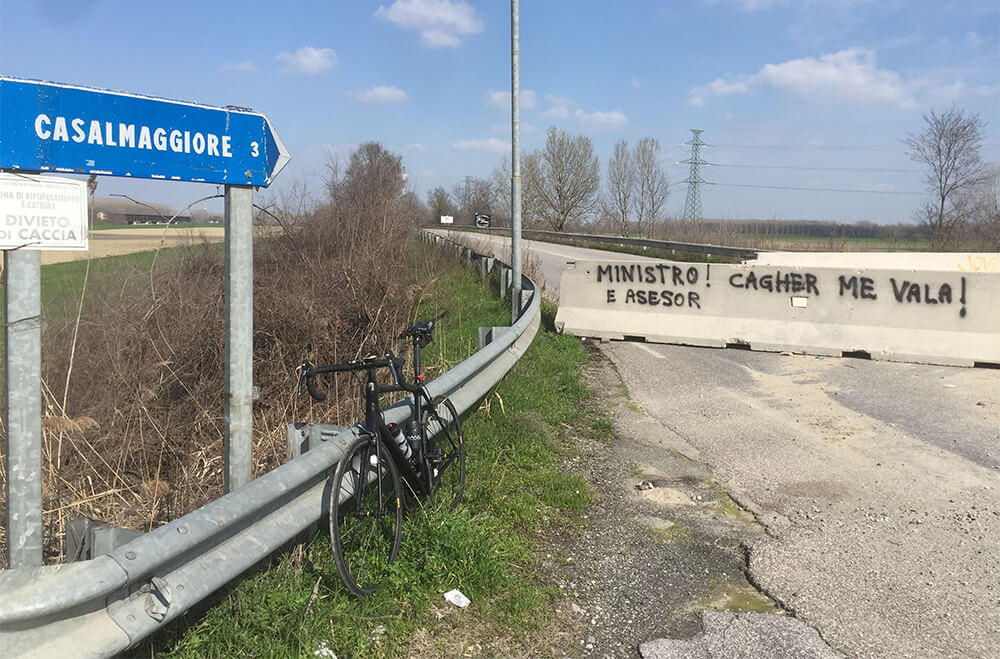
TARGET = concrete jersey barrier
x,y
926,316
988,262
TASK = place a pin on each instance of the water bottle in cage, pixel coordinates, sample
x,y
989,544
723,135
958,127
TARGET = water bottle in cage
x,y
400,440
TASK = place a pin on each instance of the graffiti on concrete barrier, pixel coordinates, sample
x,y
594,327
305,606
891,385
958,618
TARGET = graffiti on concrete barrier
x,y
983,263
678,278
866,286
683,286
788,282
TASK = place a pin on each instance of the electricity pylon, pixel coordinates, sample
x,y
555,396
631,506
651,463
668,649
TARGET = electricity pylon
x,y
692,205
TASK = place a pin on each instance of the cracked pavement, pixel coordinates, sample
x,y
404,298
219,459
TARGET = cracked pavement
x,y
878,486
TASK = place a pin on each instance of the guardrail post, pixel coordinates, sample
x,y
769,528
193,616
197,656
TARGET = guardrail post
x,y
488,335
23,413
505,277
238,439
525,300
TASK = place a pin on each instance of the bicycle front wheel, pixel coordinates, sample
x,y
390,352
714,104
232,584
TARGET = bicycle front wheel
x,y
365,515
445,457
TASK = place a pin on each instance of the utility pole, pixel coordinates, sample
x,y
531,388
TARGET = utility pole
x,y
515,158
692,205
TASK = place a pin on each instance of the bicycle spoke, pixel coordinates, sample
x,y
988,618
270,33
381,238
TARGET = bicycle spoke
x,y
365,531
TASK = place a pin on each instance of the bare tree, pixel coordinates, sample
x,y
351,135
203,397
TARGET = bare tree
x,y
980,204
440,203
531,189
481,198
949,146
500,178
652,184
369,195
621,191
568,179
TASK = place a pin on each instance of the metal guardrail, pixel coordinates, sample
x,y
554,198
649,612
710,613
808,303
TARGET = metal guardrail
x,y
575,238
100,607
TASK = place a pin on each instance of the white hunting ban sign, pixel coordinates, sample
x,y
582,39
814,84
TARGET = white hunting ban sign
x,y
42,213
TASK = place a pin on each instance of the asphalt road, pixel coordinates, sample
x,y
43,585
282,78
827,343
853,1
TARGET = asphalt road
x,y
877,483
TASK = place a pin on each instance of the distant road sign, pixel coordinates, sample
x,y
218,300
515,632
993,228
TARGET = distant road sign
x,y
447,219
46,126
42,212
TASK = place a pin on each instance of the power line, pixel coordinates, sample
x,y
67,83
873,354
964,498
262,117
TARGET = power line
x,y
822,169
812,168
789,187
832,147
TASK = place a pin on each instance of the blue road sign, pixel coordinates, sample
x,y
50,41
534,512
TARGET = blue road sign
x,y
47,126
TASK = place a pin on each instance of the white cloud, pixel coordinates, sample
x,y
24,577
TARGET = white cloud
x,y
416,147
601,120
762,5
490,145
973,40
379,95
238,67
441,23
635,83
494,99
847,75
308,60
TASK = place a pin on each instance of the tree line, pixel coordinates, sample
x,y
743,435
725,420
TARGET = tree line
x,y
561,188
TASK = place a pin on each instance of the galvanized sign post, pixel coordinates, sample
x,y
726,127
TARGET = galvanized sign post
x,y
239,337
35,213
56,128
23,415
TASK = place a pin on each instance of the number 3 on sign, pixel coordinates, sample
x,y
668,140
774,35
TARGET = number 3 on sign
x,y
254,149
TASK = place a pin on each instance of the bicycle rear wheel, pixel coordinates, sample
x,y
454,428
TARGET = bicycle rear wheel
x,y
445,457
365,515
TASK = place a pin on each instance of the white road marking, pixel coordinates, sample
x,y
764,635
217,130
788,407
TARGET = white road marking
x,y
643,346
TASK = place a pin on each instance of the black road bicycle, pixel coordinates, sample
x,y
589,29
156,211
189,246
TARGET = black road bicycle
x,y
367,495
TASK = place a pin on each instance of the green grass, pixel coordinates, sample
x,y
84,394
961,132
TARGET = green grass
x,y
110,277
796,241
741,597
516,487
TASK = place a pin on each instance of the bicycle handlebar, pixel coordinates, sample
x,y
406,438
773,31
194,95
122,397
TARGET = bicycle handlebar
x,y
390,361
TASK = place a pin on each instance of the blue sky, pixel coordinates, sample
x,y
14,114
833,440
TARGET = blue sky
x,y
791,93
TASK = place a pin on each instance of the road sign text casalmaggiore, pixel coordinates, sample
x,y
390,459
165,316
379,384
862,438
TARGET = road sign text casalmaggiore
x,y
64,128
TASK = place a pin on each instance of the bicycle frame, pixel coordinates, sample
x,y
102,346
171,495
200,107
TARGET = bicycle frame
x,y
374,423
